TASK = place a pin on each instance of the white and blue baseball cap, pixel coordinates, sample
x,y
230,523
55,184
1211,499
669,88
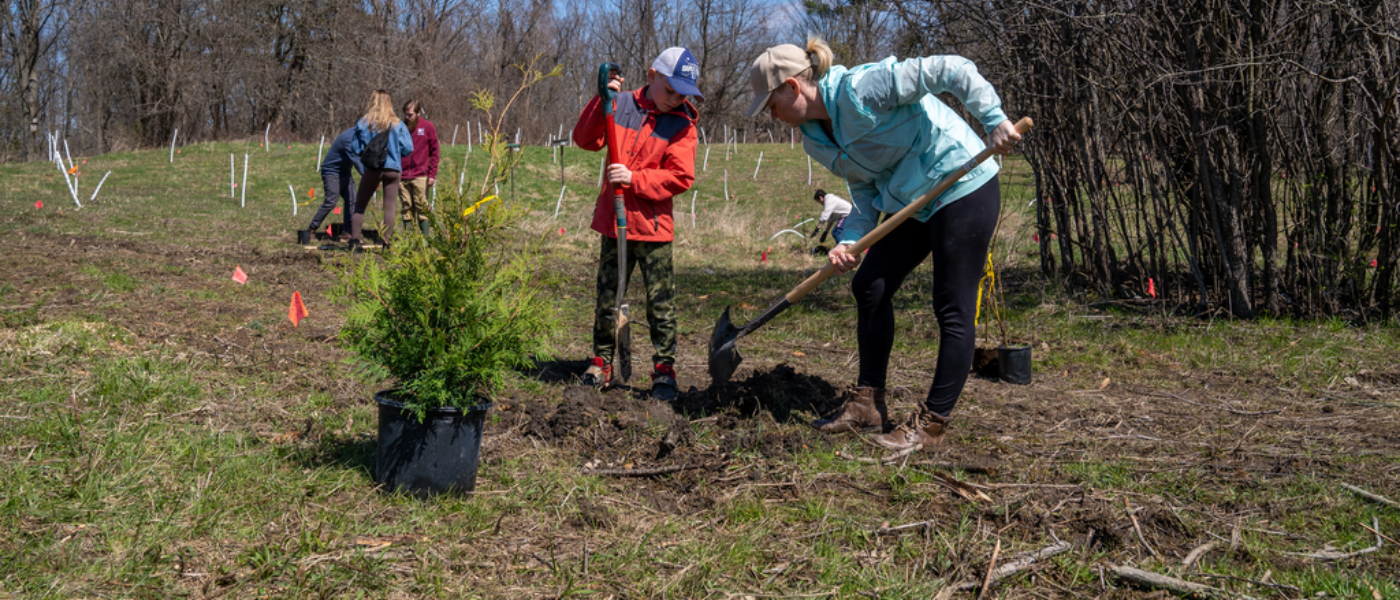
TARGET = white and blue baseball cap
x,y
681,70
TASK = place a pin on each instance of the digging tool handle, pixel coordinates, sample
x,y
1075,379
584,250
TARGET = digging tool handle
x,y
899,218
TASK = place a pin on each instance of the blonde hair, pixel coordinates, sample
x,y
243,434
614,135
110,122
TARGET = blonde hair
x,y
379,112
819,52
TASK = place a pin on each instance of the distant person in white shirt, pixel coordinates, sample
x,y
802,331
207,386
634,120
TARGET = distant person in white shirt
x,y
834,212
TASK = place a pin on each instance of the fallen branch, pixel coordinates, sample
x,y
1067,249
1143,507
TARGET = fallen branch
x,y
889,459
1372,497
652,472
897,528
1172,584
1330,553
1194,555
1016,565
979,469
1138,528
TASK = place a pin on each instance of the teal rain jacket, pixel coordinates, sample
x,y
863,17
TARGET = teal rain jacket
x,y
895,140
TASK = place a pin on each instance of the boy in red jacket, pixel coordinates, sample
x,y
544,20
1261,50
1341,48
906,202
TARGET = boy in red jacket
x,y
656,136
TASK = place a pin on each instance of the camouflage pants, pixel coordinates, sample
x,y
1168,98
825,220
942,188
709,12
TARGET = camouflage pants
x,y
659,283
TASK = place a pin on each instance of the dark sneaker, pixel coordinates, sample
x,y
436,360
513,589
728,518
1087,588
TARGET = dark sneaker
x,y
924,427
663,383
597,375
355,246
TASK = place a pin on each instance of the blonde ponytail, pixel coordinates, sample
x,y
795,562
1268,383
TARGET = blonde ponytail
x,y
820,54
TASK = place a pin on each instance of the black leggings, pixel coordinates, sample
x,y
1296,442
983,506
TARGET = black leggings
x,y
957,236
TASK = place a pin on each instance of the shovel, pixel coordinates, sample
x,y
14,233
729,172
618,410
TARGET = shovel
x,y
724,352
622,332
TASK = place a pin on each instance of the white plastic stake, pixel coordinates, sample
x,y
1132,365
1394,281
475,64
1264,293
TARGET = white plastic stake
x,y
706,167
318,153
454,135
809,170
746,136
726,185
792,137
755,167
560,202
726,150
232,184
469,137
99,187
460,180
243,193
70,156
69,184
265,142
172,143
602,162
517,135
770,137
704,138
692,207
294,199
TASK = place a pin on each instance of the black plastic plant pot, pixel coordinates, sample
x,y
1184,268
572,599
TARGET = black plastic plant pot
x,y
303,236
1014,364
438,455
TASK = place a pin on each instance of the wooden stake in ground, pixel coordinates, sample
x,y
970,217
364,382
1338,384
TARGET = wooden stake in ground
x,y
172,144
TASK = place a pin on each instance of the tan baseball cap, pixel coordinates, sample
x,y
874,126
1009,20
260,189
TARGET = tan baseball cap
x,y
768,72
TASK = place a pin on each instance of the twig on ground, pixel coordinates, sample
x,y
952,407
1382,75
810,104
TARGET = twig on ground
x,y
1370,496
979,469
986,581
889,459
652,472
1277,586
1016,565
1330,554
1172,584
1194,555
896,528
1138,528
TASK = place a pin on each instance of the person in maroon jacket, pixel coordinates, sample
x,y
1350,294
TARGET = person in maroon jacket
x,y
420,167
656,134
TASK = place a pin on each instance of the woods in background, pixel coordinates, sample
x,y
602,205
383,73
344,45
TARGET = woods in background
x,y
1241,154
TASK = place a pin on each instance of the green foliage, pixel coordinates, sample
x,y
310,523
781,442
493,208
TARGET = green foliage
x,y
451,314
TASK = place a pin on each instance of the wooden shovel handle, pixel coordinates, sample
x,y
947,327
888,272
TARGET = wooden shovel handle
x,y
900,217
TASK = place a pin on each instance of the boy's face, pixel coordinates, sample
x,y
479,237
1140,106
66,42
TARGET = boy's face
x,y
660,92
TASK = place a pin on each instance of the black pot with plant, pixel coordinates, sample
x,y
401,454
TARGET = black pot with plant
x,y
448,316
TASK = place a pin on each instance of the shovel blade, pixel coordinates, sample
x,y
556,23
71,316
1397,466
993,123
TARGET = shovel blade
x,y
622,340
724,349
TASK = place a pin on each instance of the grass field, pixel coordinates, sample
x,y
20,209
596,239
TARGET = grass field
x,y
166,432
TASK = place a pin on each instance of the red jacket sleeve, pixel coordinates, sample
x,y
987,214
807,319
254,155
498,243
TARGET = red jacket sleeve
x,y
588,132
675,174
433,154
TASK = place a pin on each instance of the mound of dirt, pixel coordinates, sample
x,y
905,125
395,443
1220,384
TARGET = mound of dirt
x,y
780,391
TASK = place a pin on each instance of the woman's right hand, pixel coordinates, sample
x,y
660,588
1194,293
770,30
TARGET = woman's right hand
x,y
841,259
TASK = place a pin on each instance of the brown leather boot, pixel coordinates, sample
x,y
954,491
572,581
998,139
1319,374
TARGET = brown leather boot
x,y
923,427
863,410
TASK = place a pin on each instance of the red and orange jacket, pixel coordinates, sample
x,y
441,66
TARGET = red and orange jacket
x,y
659,149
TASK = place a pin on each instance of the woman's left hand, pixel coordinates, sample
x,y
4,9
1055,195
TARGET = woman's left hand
x,y
1004,138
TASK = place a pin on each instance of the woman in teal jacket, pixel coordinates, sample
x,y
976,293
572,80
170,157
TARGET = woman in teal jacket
x,y
881,127
379,119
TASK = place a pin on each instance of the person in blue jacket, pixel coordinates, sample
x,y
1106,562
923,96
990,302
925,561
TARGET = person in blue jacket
x,y
881,127
382,160
338,181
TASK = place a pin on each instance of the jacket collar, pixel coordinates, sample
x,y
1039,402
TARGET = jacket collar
x,y
686,109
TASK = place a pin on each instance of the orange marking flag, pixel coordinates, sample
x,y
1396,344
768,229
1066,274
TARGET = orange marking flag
x,y
336,211
239,275
297,311
311,193
1151,287
39,204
